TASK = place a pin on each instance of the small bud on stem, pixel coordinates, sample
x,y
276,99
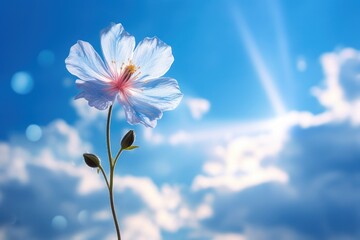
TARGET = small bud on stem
x,y
91,160
128,139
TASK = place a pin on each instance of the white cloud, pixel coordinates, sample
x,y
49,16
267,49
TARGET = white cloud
x,y
241,150
244,152
217,132
85,112
16,168
204,211
140,227
163,203
245,158
89,181
102,215
164,206
229,236
144,187
82,235
258,233
13,164
64,140
240,164
237,182
110,236
251,232
180,137
152,136
198,107
341,71
60,149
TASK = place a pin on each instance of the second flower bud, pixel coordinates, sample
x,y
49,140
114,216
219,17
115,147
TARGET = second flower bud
x,y
128,139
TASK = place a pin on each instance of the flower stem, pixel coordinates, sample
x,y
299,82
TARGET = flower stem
x,y
112,167
117,156
104,174
108,144
112,203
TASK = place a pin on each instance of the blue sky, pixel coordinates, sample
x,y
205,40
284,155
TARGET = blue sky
x,y
264,145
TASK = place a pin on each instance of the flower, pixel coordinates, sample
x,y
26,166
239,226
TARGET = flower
x,y
133,76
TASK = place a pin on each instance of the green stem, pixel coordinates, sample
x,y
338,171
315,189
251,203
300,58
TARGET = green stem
x,y
108,143
112,167
112,203
117,156
106,180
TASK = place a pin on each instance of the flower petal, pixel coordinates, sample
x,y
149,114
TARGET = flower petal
x,y
85,63
117,46
164,93
137,111
96,93
153,57
145,101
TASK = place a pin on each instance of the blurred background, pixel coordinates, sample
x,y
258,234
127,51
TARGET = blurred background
x,y
264,145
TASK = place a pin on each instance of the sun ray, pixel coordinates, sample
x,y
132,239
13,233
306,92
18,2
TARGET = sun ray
x,y
264,75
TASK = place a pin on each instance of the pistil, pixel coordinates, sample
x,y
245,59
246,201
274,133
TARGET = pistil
x,y
124,80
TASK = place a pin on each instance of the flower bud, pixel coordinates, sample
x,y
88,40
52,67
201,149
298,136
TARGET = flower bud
x,y
128,139
91,160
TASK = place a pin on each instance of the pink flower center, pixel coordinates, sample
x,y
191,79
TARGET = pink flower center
x,y
124,80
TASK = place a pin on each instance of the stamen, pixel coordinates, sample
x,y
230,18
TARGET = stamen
x,y
126,76
131,68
